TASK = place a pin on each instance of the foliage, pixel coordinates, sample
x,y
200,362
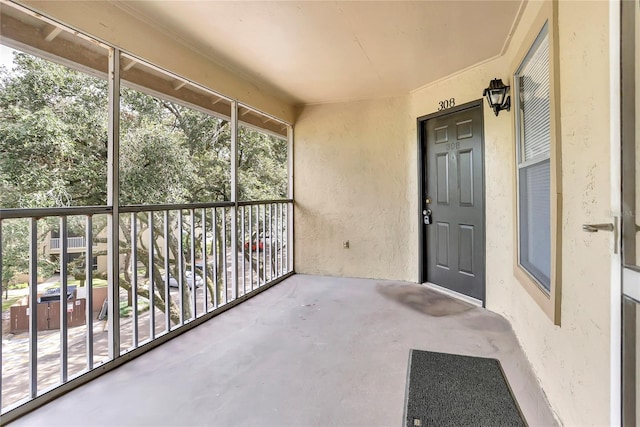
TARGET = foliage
x,y
8,302
53,152
262,172
97,283
154,168
53,137
127,310
15,252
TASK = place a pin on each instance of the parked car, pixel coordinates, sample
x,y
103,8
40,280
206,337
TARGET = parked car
x,y
53,294
173,282
257,245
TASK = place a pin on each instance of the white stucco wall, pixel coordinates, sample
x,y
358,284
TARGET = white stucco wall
x,y
356,179
573,360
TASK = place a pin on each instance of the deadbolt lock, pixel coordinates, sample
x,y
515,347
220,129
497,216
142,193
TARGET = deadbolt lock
x,y
426,216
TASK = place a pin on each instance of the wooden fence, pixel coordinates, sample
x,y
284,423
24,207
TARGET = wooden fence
x,y
48,315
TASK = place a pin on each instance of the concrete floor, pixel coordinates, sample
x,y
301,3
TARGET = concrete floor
x,y
311,351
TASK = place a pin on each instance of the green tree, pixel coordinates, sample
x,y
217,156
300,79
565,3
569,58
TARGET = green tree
x,y
262,161
15,252
53,137
53,152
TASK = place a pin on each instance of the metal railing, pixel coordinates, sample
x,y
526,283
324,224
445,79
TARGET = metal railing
x,y
179,265
72,242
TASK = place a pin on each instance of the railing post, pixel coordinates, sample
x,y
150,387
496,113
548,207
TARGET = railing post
x,y
276,262
251,246
192,255
242,233
63,299
113,200
257,250
152,286
180,267
1,331
134,278
272,258
89,287
214,251
224,256
167,295
234,198
290,206
205,263
33,309
264,242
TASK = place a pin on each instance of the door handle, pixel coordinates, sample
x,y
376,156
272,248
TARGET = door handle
x,y
594,228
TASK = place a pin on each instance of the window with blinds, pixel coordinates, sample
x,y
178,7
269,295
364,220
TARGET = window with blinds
x,y
533,117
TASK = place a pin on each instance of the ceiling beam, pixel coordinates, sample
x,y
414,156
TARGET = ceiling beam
x,y
24,37
179,85
130,65
53,34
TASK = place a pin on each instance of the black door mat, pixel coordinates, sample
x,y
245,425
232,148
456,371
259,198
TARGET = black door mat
x,y
453,390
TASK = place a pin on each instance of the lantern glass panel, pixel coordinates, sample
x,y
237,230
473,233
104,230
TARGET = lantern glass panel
x,y
496,96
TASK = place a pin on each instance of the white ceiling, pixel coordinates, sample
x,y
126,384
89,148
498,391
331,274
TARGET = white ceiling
x,y
313,52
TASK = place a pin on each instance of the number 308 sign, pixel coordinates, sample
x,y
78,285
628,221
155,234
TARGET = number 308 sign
x,y
447,103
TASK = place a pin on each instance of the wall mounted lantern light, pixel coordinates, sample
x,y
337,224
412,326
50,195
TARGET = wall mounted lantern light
x,y
497,96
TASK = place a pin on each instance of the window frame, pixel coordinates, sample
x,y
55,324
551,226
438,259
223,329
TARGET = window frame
x,y
549,301
524,163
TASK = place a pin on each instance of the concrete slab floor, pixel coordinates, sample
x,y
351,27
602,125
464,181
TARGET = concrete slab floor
x,y
311,351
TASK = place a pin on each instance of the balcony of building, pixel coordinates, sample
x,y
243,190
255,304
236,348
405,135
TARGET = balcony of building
x,y
269,191
73,243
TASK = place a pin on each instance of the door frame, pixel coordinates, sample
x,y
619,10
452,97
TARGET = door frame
x,y
624,298
422,152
